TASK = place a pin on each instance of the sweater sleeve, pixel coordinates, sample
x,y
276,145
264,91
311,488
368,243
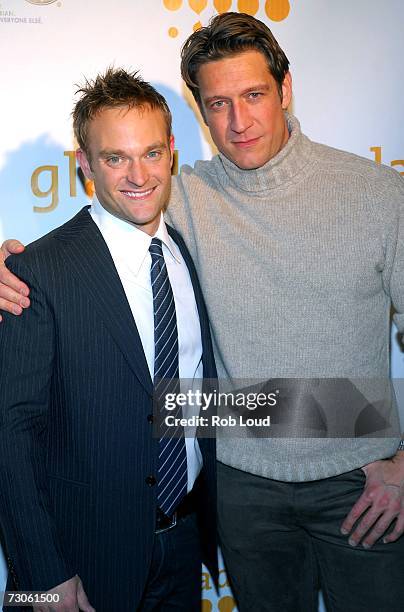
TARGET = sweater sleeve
x,y
397,265
179,212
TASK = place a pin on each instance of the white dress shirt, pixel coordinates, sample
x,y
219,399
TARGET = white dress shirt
x,y
129,248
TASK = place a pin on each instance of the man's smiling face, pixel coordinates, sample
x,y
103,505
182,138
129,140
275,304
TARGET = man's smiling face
x,y
129,159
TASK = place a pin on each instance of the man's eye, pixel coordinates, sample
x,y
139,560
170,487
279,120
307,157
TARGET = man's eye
x,y
254,94
217,104
154,154
114,160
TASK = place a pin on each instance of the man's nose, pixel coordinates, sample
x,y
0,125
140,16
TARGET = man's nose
x,y
240,118
138,173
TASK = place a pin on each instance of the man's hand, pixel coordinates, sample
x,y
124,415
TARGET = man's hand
x,y
382,500
13,292
72,598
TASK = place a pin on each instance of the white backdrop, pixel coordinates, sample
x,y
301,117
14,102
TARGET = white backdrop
x,y
348,92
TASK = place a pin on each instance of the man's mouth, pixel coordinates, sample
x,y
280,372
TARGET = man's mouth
x,y
244,144
138,195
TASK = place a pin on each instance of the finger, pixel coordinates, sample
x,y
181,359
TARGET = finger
x,y
364,526
68,604
362,504
10,298
83,602
12,307
378,530
12,282
397,531
12,247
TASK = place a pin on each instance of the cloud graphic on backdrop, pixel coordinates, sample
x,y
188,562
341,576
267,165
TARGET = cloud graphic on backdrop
x,y
18,200
185,127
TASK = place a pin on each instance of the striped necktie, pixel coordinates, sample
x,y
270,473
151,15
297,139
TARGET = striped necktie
x,y
172,462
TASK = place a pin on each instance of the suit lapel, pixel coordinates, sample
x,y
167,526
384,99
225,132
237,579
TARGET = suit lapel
x,y
88,258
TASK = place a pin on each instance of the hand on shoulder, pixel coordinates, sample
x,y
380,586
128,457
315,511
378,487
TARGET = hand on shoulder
x,y
13,292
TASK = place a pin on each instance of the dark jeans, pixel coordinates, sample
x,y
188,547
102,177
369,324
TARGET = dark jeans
x,y
281,543
175,580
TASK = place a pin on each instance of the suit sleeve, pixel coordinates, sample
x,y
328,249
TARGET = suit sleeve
x,y
27,350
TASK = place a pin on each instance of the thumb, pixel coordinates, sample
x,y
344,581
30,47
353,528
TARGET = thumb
x,y
82,600
11,247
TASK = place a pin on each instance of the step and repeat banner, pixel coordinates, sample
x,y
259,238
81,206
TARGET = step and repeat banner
x,y
346,64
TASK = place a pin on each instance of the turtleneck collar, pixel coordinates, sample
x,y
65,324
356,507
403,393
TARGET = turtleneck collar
x,y
280,170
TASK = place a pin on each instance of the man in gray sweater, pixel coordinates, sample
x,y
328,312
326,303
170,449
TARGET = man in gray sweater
x,y
300,253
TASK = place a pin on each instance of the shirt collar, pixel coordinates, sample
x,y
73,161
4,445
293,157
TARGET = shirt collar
x,y
127,241
168,242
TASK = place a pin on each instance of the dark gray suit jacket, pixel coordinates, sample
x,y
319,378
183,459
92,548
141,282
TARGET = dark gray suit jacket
x,y
76,444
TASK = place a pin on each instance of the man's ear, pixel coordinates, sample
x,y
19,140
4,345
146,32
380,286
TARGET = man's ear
x,y
286,91
172,146
84,162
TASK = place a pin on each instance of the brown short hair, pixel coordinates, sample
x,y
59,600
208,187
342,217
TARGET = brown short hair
x,y
230,34
115,88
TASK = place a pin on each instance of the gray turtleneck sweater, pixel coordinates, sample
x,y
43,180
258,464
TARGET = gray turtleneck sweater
x,y
299,261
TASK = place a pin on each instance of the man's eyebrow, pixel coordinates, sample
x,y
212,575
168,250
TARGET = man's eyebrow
x,y
156,145
257,87
108,152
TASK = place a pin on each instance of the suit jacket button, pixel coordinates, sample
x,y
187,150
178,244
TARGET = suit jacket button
x,y
151,481
150,418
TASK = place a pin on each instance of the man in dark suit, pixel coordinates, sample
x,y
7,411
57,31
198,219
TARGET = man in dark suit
x,y
89,508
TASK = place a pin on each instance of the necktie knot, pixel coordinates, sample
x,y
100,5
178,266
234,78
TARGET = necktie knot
x,y
156,248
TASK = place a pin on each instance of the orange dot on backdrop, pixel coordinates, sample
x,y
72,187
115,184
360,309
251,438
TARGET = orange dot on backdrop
x,y
248,6
226,604
222,6
172,5
198,5
89,187
277,10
